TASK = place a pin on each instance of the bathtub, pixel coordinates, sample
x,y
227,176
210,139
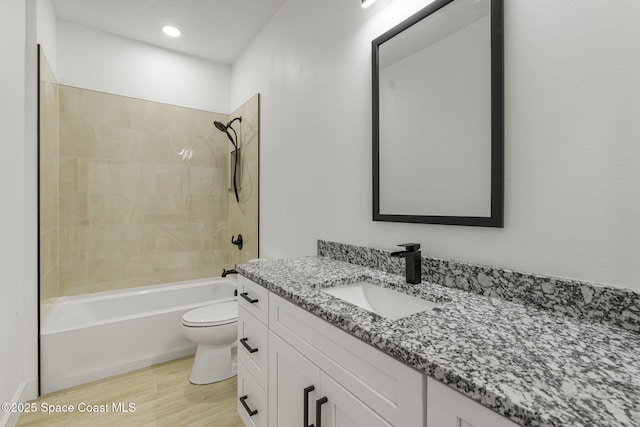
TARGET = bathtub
x,y
88,337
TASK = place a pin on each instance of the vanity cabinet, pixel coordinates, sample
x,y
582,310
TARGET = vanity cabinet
x,y
297,369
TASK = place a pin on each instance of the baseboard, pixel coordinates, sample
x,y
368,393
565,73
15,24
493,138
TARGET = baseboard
x,y
27,390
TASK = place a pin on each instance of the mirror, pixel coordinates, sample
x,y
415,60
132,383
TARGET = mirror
x,y
438,116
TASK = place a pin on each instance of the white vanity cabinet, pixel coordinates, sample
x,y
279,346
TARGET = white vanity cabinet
x,y
296,369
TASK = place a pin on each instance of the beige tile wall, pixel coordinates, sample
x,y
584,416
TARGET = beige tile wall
x,y
49,263
243,216
142,194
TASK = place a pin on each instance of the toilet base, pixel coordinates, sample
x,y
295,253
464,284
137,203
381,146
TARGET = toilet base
x,y
214,363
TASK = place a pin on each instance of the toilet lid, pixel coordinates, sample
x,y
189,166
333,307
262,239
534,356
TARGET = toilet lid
x,y
212,315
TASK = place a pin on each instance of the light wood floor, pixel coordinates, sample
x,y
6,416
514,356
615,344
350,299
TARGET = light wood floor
x,y
162,396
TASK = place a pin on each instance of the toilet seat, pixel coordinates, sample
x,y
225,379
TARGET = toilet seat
x,y
212,315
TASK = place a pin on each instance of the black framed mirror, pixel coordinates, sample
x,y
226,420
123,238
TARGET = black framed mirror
x,y
438,128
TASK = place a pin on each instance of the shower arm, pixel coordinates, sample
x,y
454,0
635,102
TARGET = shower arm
x,y
237,118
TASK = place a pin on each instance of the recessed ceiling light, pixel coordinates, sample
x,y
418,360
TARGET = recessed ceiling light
x,y
171,31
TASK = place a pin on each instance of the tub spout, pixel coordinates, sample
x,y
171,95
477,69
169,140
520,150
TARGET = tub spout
x,y
226,272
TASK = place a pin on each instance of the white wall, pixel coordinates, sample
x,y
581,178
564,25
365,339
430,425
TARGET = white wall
x,y
18,327
47,31
572,205
12,110
30,305
96,60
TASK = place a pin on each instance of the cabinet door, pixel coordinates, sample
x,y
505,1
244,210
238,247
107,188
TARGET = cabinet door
x,y
289,374
396,391
448,408
343,409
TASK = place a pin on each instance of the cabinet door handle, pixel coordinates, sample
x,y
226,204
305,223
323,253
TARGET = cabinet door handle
x,y
246,296
250,411
319,404
243,341
306,406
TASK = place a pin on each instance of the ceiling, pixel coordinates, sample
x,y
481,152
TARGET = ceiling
x,y
217,30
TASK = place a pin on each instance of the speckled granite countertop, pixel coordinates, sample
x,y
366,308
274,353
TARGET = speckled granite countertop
x,y
535,367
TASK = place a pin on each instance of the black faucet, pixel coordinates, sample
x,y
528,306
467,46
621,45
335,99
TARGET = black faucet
x,y
226,272
414,261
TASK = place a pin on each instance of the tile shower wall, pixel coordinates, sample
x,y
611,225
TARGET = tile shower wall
x,y
243,216
48,181
143,193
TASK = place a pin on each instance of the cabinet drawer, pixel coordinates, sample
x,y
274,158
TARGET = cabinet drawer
x,y
252,399
253,347
253,298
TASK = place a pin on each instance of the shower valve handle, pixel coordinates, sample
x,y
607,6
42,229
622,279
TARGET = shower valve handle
x,y
237,242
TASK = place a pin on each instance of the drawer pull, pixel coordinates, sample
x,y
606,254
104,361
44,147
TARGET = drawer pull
x,y
243,341
250,411
246,296
319,404
306,406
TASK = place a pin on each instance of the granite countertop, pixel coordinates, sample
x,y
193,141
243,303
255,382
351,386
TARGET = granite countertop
x,y
535,367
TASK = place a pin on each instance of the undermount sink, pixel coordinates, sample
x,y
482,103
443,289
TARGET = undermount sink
x,y
383,301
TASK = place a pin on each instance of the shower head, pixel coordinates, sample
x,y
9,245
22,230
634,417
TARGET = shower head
x,y
221,127
225,129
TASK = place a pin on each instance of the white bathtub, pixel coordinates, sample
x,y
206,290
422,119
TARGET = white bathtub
x,y
88,337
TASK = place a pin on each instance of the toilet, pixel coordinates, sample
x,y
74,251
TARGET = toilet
x,y
215,329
